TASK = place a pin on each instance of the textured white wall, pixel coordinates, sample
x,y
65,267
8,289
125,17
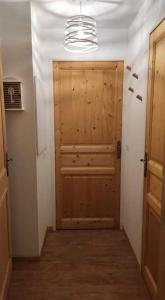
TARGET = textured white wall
x,y
50,29
134,119
43,124
15,34
31,171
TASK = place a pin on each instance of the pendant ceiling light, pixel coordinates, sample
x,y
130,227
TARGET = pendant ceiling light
x,y
80,34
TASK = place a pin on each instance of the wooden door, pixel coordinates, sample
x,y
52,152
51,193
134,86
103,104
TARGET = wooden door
x,y
161,278
88,106
155,150
5,251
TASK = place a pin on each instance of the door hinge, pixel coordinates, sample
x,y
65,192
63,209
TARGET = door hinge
x,y
118,149
145,161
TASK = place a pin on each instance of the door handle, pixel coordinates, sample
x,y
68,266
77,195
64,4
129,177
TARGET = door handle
x,y
145,161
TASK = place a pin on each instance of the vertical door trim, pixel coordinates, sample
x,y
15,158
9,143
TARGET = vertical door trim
x,y
56,79
161,285
3,293
154,37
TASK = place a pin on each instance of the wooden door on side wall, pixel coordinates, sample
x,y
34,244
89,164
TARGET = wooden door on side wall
x,y
88,109
155,151
161,278
5,251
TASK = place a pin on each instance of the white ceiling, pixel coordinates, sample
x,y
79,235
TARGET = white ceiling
x,y
115,13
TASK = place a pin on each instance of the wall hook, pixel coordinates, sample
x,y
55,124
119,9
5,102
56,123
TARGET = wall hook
x,y
139,97
128,68
131,89
135,75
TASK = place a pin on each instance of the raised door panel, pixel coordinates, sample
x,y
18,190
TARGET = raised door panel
x,y
4,241
87,106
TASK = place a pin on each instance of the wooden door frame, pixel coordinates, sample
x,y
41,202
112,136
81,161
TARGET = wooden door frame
x,y
161,286
5,287
57,133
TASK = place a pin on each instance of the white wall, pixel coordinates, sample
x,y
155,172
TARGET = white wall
x,y
28,132
50,30
134,119
44,155
15,35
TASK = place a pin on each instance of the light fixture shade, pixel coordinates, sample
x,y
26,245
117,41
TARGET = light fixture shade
x,y
80,34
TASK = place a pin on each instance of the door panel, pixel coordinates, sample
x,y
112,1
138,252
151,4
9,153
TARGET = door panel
x,y
88,104
155,150
3,240
94,189
5,251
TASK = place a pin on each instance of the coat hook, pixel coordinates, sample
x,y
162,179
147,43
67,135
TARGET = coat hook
x,y
128,68
135,75
139,97
131,89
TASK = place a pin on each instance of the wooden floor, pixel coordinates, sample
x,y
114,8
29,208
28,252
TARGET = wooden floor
x,y
80,265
